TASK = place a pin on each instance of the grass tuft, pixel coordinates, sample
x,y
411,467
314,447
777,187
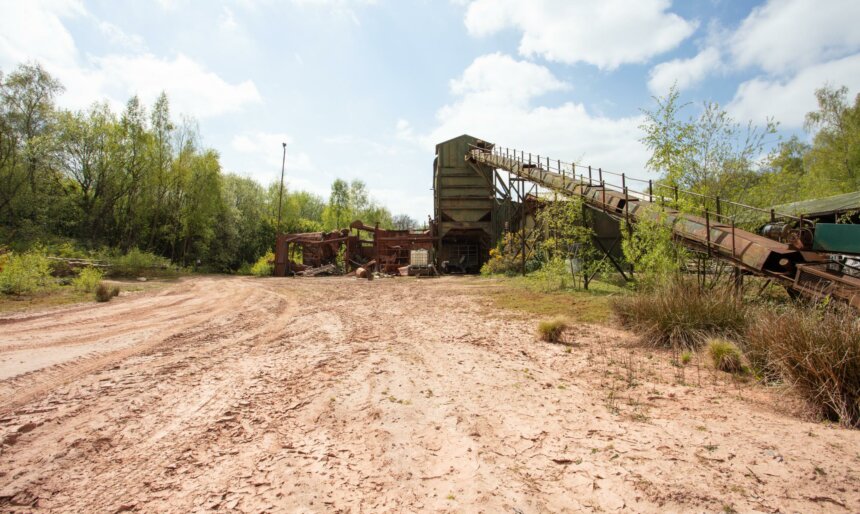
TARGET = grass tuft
x,y
725,355
681,314
816,350
686,357
551,330
103,293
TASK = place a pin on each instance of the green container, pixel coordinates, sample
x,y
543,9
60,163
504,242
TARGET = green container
x,y
836,238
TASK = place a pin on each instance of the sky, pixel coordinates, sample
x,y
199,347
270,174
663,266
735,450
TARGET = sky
x,y
365,89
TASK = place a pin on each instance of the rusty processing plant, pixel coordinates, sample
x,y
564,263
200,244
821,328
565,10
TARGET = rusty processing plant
x,y
482,191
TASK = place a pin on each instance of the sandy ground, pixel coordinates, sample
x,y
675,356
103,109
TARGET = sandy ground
x,y
399,395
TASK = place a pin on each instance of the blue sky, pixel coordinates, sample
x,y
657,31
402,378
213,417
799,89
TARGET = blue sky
x,y
364,89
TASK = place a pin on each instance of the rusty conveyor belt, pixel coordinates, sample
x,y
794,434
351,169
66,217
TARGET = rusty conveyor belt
x,y
806,272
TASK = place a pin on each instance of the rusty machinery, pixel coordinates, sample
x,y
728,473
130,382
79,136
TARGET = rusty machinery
x,y
383,250
792,258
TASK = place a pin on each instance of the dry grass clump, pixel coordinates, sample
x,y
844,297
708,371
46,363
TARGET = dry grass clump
x,y
725,355
682,314
103,293
815,349
551,330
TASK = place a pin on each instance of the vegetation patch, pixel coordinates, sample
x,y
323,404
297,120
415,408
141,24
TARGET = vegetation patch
x,y
551,330
138,263
103,293
25,273
816,350
264,267
87,280
725,355
680,313
527,295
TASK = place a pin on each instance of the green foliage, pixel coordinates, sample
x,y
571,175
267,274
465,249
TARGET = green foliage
x,y
264,266
833,162
816,350
569,235
681,314
503,258
136,263
553,275
87,279
551,330
725,355
140,179
708,154
649,246
103,293
26,273
351,201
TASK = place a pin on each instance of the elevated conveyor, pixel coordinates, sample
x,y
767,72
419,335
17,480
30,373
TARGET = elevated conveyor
x,y
805,272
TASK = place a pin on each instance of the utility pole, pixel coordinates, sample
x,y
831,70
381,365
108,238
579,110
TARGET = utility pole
x,y
281,192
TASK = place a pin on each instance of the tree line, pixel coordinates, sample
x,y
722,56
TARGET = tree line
x,y
710,153
141,179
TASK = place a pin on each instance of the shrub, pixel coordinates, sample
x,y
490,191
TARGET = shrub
x,y
87,280
25,273
815,349
725,355
551,330
136,262
114,291
554,275
103,293
679,313
264,267
651,248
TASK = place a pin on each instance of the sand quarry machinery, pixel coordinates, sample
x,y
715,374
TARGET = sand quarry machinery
x,y
372,249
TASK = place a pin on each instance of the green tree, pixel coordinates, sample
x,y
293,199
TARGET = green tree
x,y
338,210
833,162
709,154
27,122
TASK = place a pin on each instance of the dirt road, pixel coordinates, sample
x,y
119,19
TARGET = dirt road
x,y
341,395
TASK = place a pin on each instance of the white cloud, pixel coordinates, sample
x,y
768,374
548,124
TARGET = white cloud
x,y
268,150
786,35
789,100
404,130
35,31
568,131
259,155
226,20
606,33
685,73
505,79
